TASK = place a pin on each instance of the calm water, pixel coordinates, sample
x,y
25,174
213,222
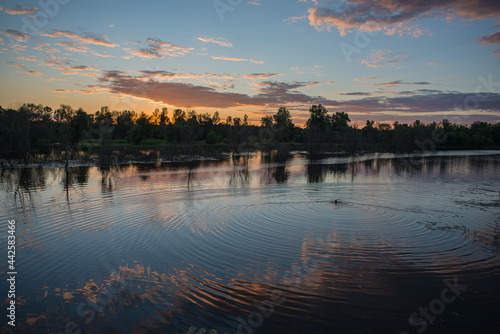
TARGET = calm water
x,y
258,246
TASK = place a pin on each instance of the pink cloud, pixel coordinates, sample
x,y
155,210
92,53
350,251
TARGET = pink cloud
x,y
399,17
364,80
17,35
238,59
20,10
261,76
379,58
219,41
159,49
89,39
491,39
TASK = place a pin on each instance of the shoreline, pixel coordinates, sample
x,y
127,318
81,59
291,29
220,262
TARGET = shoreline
x,y
94,160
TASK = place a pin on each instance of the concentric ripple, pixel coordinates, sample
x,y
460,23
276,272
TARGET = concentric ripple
x,y
217,246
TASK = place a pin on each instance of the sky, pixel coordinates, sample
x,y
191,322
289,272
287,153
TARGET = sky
x,y
381,60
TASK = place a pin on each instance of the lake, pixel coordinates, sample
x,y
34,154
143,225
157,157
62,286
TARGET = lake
x,y
257,245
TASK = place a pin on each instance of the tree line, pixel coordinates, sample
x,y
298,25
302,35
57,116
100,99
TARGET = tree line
x,y
33,129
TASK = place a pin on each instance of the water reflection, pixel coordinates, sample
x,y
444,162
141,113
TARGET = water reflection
x,y
240,174
206,244
107,181
277,170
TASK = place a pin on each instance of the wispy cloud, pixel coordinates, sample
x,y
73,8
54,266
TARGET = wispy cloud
x,y
20,10
102,55
380,58
16,65
261,76
219,41
316,69
65,67
60,90
27,58
23,68
37,73
160,49
365,80
294,19
491,39
73,47
237,59
398,83
87,39
15,34
356,94
54,79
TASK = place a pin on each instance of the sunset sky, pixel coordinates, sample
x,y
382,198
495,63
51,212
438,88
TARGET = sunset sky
x,y
381,60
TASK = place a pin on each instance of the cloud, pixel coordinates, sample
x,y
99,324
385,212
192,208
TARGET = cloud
x,y
254,2
159,49
220,76
27,58
181,94
145,53
219,41
261,76
101,55
331,83
64,66
431,102
286,93
37,73
60,90
174,93
272,94
356,94
19,10
294,19
16,65
17,35
82,68
88,39
393,17
237,59
491,39
73,47
54,79
23,68
365,80
398,83
307,1
223,86
379,58
316,69
95,89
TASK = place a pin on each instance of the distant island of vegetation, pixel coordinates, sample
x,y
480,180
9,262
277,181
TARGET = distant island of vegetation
x,y
37,134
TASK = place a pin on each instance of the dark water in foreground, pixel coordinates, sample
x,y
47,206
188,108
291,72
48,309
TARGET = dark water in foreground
x,y
252,246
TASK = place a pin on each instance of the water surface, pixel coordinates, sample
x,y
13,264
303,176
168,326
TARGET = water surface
x,y
258,245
